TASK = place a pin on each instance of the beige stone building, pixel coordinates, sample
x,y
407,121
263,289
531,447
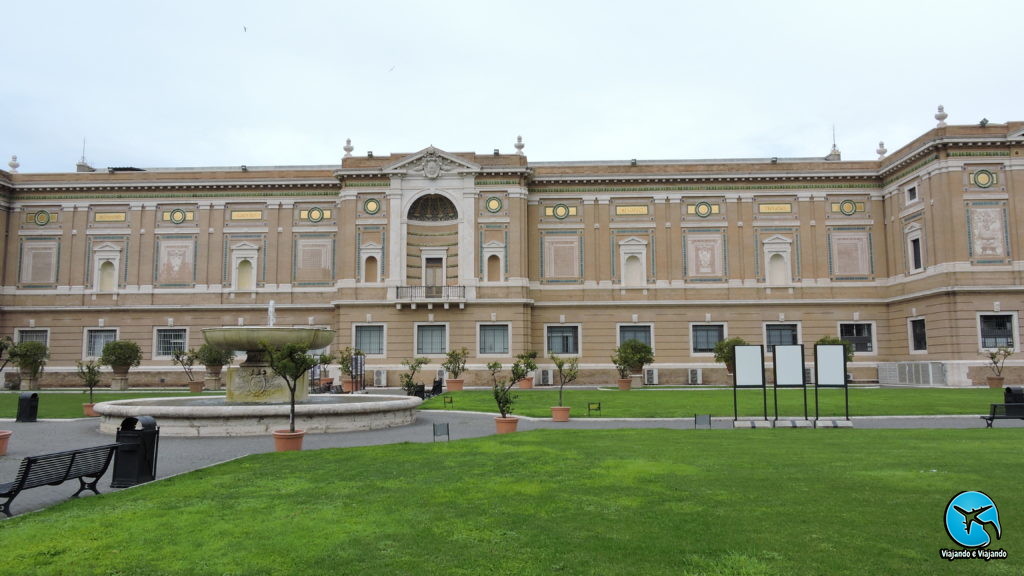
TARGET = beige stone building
x,y
915,257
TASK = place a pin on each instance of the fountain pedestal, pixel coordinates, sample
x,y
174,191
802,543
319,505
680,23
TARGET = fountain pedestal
x,y
257,384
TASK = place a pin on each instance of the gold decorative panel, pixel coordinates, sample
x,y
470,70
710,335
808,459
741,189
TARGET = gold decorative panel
x,y
631,210
246,214
775,208
110,217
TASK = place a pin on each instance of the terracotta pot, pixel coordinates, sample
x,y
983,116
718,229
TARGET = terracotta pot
x,y
285,441
559,413
5,435
121,370
346,385
624,383
195,387
214,370
995,381
526,383
454,384
506,425
87,409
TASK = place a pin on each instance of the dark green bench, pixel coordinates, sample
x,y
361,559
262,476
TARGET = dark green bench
x,y
1004,412
57,468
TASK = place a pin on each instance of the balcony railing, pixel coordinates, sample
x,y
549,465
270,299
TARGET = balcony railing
x,y
430,293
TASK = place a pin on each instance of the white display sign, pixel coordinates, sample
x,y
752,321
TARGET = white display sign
x,y
830,365
789,365
749,366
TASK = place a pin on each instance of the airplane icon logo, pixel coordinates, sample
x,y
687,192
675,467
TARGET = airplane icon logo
x,y
967,510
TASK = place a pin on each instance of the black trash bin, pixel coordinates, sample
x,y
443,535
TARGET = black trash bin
x,y
1013,395
28,407
135,459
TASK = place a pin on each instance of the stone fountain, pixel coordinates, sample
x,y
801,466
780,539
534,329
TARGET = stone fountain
x,y
257,399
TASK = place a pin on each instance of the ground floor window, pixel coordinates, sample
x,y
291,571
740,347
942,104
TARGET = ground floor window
x,y
996,330
33,335
431,339
563,339
169,341
705,336
780,334
636,332
370,339
494,339
918,337
860,335
96,339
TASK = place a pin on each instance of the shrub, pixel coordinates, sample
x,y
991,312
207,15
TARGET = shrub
x,y
121,353
835,341
631,356
996,358
409,378
30,357
209,355
725,352
345,360
455,364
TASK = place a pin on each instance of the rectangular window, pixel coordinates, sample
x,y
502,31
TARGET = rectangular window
x,y
916,262
33,336
706,336
96,339
918,338
859,335
370,339
911,194
430,339
563,339
494,339
634,332
169,341
996,330
784,334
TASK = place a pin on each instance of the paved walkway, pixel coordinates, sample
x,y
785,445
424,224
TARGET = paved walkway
x,y
180,455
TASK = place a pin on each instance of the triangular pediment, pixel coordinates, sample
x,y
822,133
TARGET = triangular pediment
x,y
245,246
432,163
371,246
633,241
776,239
493,244
106,247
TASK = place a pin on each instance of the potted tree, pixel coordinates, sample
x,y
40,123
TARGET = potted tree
x,y
186,359
346,361
529,361
291,362
121,356
630,358
454,365
996,358
568,370
725,352
89,373
30,358
409,378
214,359
503,396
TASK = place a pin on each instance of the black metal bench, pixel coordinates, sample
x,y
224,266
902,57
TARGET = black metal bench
x,y
1003,412
54,469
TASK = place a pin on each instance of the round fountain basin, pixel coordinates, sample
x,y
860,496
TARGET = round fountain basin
x,y
213,416
252,338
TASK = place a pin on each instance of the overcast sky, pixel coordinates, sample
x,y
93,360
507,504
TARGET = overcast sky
x,y
217,83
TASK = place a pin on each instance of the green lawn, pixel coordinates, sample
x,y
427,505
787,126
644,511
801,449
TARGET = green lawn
x,y
719,402
650,502
69,404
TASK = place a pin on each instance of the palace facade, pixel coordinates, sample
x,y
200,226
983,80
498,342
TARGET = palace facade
x,y
914,257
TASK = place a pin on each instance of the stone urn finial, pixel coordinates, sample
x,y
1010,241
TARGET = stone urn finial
x,y
941,117
13,164
881,151
519,145
348,148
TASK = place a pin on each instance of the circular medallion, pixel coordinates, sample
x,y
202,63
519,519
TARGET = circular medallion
x,y
560,211
984,179
315,214
493,204
177,215
702,209
371,206
848,207
41,218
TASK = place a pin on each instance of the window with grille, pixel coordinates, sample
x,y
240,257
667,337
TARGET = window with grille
x,y
370,339
918,337
169,341
641,333
430,339
780,334
706,336
996,330
563,339
96,339
860,335
33,336
494,338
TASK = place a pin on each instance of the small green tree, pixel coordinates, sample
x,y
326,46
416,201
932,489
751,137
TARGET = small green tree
x,y
455,363
996,358
836,341
346,360
409,378
185,359
568,370
528,360
30,357
725,352
121,353
89,373
291,362
5,348
502,388
631,356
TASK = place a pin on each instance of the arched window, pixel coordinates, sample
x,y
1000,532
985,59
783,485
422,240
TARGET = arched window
x,y
108,277
493,268
245,276
370,273
433,208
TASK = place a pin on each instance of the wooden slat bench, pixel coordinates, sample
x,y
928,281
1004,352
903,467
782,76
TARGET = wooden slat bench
x,y
1004,412
53,469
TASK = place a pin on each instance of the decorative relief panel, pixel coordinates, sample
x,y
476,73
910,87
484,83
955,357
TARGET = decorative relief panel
x,y
849,254
39,262
988,240
174,264
313,260
562,257
704,256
